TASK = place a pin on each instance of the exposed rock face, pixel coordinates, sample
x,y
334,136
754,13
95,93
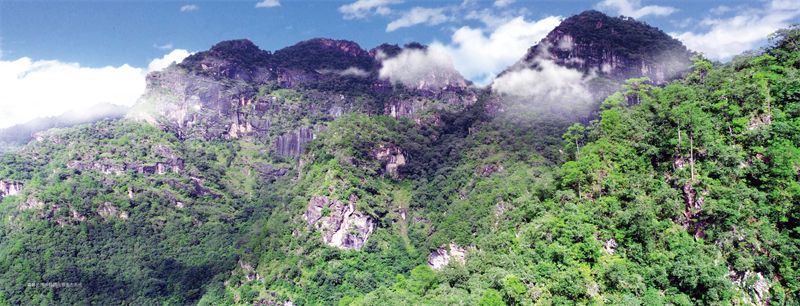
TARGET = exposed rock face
x,y
488,170
610,246
31,203
755,285
249,272
110,167
236,90
108,211
341,225
759,121
693,206
441,257
392,158
292,143
9,188
268,171
617,48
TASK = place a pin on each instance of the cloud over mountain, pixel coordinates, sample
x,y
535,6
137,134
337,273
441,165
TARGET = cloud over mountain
x,y
69,86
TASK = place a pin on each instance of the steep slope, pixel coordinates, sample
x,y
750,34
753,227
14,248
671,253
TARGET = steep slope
x,y
617,48
676,195
236,90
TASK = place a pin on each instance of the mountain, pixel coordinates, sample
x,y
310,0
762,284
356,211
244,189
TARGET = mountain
x,y
237,90
20,134
617,48
308,176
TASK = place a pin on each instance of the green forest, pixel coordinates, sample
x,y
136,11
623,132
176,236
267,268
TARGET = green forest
x,y
683,194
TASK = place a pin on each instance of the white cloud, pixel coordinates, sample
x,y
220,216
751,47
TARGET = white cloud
x,y
167,46
722,9
480,54
549,85
268,3
352,71
727,37
634,8
419,15
503,3
363,8
43,88
176,56
422,69
189,8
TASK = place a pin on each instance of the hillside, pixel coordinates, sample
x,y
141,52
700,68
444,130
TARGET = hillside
x,y
302,177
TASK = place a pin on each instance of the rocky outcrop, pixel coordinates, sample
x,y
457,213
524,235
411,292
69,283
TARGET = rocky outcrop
x,y
610,246
108,211
292,143
30,204
759,121
268,171
392,158
105,167
693,203
110,167
8,188
341,225
755,286
441,257
489,169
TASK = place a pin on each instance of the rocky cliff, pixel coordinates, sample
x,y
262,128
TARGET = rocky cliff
x,y
236,90
613,47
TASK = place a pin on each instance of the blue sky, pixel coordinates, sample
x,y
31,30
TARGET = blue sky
x,y
100,33
87,45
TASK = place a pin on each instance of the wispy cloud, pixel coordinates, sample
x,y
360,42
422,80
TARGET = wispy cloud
x,y
634,8
727,37
189,8
37,88
421,68
364,8
167,46
268,3
503,3
419,15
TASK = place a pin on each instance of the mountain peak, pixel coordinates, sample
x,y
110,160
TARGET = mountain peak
x,y
616,47
323,53
238,59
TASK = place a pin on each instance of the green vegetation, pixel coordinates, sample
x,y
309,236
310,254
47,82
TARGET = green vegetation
x,y
678,195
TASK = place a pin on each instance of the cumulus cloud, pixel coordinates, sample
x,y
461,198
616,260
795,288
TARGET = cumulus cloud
x,y
45,88
189,8
421,68
268,3
634,8
363,8
419,15
546,85
480,54
176,56
724,38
